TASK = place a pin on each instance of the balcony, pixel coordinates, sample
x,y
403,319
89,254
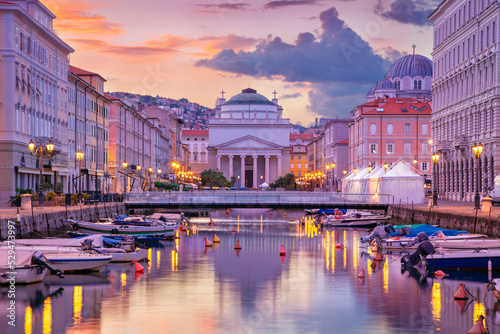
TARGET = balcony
x,y
444,146
461,142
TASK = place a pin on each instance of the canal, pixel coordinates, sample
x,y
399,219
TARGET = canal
x,y
187,288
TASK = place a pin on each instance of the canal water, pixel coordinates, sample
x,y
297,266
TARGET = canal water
x,y
187,288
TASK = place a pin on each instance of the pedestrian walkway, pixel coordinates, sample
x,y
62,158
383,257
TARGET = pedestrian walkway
x,y
10,212
457,208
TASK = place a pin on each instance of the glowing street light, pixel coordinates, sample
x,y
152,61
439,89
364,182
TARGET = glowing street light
x,y
47,150
477,150
435,159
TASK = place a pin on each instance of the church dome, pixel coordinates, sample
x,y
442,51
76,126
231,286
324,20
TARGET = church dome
x,y
249,96
385,84
411,66
372,90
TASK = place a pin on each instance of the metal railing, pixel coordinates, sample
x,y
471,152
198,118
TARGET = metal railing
x,y
211,197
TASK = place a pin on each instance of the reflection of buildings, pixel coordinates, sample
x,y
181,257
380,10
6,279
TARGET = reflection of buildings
x,y
249,138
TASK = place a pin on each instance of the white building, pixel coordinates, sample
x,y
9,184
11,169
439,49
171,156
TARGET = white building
x,y
33,97
197,143
249,139
466,95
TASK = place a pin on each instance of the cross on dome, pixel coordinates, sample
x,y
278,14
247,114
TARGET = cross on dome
x,y
414,47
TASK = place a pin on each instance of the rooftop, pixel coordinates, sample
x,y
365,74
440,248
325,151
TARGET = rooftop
x,y
396,106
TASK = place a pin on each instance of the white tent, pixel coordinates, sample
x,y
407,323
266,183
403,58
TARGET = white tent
x,y
346,182
356,184
264,185
374,185
405,184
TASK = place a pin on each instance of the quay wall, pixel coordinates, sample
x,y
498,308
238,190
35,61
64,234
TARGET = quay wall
x,y
489,225
48,222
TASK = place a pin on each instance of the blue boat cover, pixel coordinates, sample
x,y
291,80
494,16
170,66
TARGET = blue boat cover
x,y
430,230
110,240
331,212
121,217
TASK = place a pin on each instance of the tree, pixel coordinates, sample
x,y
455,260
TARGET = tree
x,y
213,178
286,181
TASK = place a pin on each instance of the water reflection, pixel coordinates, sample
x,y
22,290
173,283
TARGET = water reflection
x,y
187,288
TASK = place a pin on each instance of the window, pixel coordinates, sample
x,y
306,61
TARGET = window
x,y
373,148
291,157
424,150
373,164
407,128
292,165
299,173
417,84
390,128
299,157
306,166
390,148
407,148
195,157
373,128
424,166
425,128
299,165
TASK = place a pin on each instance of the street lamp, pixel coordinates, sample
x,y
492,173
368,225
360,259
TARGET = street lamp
x,y
369,169
386,165
150,171
47,150
477,150
138,167
159,173
79,155
435,159
125,165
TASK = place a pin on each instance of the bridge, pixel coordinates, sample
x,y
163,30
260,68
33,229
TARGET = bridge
x,y
218,199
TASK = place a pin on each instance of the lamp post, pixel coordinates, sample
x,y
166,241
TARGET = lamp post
x,y
79,155
125,165
477,150
47,150
386,165
150,171
159,173
435,159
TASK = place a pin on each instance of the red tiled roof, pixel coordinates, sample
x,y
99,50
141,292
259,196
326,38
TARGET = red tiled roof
x,y
82,72
110,97
188,132
343,142
395,106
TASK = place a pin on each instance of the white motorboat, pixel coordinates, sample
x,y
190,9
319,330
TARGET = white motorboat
x,y
165,229
461,241
125,252
26,267
355,218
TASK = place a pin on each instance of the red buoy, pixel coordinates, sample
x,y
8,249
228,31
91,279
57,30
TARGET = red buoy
x,y
361,274
460,294
233,230
208,243
379,257
478,327
282,250
338,246
440,274
138,267
227,212
237,246
282,257
271,213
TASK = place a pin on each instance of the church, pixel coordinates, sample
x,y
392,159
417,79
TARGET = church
x,y
249,139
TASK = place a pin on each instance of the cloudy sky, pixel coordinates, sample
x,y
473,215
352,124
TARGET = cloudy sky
x,y
321,56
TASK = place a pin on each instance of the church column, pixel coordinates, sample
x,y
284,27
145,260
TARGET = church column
x,y
242,171
279,166
219,157
230,166
255,170
266,177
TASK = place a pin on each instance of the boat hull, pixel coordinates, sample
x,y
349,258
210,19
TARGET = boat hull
x,y
24,275
80,262
352,224
124,229
464,261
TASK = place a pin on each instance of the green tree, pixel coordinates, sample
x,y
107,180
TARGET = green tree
x,y
213,178
287,181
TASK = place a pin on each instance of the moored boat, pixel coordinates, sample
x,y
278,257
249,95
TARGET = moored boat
x,y
167,230
355,218
28,267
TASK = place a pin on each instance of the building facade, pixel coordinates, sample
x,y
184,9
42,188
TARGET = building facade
x,y
466,96
197,143
336,139
298,155
88,113
249,138
33,94
389,129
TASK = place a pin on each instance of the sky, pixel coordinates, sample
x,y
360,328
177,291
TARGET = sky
x,y
321,56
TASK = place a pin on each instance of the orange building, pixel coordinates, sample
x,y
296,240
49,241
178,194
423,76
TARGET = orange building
x,y
298,156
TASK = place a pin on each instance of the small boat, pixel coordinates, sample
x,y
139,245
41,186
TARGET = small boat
x,y
311,211
147,238
29,267
123,252
355,218
167,230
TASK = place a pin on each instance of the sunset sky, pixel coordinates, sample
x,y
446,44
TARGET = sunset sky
x,y
320,56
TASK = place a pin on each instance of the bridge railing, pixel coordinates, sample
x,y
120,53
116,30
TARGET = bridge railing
x,y
255,197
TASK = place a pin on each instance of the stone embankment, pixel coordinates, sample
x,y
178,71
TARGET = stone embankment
x,y
47,221
453,215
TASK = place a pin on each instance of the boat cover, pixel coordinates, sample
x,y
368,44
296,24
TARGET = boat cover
x,y
430,230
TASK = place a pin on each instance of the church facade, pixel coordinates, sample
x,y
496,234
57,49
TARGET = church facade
x,y
249,139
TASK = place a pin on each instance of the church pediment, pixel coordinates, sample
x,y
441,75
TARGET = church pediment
x,y
249,142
